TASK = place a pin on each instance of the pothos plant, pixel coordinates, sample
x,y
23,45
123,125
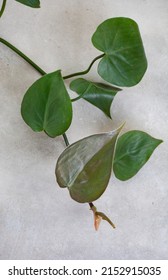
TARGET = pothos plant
x,y
85,167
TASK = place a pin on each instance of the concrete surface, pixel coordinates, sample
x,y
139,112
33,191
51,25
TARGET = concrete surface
x,y
38,220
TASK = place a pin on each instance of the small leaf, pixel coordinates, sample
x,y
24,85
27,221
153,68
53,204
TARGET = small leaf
x,y
104,217
98,216
97,221
85,166
124,62
30,3
133,150
100,95
47,106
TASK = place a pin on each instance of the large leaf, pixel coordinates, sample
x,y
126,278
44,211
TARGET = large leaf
x,y
85,166
124,62
133,150
47,106
30,3
100,95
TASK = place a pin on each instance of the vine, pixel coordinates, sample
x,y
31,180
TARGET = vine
x,y
85,167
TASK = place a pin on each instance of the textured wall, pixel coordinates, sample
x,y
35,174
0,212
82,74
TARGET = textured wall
x,y
38,220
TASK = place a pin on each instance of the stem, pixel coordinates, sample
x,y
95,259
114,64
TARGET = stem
x,y
91,205
34,65
66,140
85,71
3,7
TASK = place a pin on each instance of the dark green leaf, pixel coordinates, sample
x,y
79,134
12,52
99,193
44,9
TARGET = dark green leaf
x,y
133,150
124,62
47,106
30,3
100,95
85,166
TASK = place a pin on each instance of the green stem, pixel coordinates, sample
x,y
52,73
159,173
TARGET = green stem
x,y
34,65
85,71
41,71
66,140
3,7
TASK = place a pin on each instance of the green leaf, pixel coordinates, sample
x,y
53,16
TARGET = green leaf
x,y
100,95
133,150
30,3
47,105
85,166
124,62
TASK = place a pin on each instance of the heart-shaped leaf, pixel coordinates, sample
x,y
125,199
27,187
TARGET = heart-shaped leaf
x,y
85,166
30,3
47,105
133,150
124,62
100,95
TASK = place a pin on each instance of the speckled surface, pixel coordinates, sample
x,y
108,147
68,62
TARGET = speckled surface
x,y
38,220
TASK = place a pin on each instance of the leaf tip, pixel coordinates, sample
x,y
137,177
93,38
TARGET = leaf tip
x,y
160,141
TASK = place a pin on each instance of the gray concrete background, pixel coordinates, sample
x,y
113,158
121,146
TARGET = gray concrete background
x,y
38,220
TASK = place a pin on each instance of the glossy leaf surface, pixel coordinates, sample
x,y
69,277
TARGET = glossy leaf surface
x,y
100,95
30,3
133,150
47,106
85,166
124,62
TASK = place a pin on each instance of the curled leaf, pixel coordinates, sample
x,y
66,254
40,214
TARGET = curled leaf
x,y
98,216
104,217
98,94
